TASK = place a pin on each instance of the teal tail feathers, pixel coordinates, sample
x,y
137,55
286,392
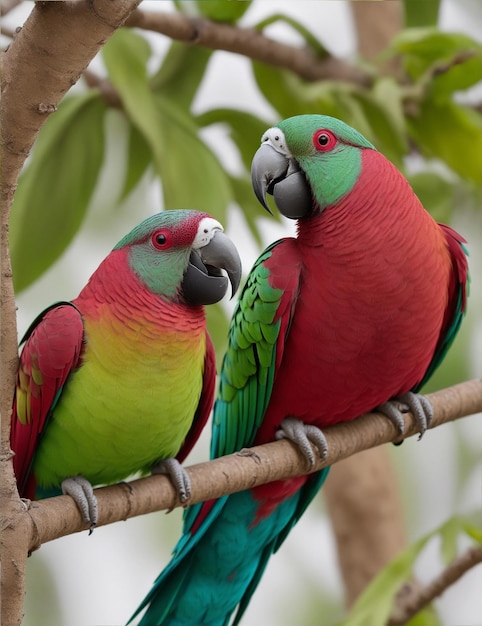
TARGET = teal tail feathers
x,y
219,561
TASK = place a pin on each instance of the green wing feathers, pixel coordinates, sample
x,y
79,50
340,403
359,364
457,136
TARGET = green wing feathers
x,y
256,340
457,303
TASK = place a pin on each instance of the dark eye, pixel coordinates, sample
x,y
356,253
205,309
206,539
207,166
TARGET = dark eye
x,y
161,240
324,140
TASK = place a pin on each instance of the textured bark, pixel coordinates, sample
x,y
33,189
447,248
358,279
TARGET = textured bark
x,y
47,56
376,24
57,517
250,43
412,598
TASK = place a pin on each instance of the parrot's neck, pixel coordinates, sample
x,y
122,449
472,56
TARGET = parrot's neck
x,y
375,263
380,198
115,286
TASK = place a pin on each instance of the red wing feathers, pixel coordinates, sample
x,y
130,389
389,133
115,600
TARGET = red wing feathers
x,y
205,401
52,350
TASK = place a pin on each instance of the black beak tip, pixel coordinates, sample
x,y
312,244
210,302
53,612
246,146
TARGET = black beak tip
x,y
235,279
203,281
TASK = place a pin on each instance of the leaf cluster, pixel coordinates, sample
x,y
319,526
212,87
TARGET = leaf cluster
x,y
423,108
375,605
415,112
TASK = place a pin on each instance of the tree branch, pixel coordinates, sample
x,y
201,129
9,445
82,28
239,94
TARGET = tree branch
x,y
106,89
59,516
250,43
45,58
412,599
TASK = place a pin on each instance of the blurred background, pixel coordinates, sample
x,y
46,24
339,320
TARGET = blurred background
x,y
215,106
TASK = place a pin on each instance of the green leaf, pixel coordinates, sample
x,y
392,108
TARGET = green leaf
x,y
387,94
191,175
219,11
181,73
452,133
472,526
125,56
373,119
290,95
276,87
387,91
451,530
310,40
421,13
464,71
375,604
227,11
436,194
426,617
246,129
377,114
55,189
139,157
424,49
455,367
252,210
132,48
353,112
218,326
449,535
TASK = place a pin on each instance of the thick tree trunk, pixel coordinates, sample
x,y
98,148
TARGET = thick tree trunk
x,y
55,45
363,500
376,24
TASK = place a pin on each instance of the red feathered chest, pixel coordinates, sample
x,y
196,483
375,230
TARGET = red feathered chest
x,y
374,281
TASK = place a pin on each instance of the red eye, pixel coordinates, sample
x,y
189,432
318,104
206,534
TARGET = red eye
x,y
324,140
161,240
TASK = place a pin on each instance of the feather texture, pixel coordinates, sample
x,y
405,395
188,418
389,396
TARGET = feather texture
x,y
117,380
359,308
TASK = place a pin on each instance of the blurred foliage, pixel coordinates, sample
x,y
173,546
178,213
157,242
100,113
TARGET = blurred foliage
x,y
375,604
422,111
421,13
60,179
416,113
229,11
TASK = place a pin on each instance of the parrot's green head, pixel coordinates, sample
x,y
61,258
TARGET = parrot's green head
x,y
307,162
180,256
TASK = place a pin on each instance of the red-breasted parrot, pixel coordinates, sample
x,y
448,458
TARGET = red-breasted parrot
x,y
355,311
122,377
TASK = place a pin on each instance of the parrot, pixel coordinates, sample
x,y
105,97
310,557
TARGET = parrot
x,y
351,315
122,378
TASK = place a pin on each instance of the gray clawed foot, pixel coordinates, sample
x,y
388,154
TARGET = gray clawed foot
x,y
303,435
416,403
178,475
80,489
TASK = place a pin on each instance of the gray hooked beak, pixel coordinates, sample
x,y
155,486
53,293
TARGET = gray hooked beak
x,y
281,177
203,281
